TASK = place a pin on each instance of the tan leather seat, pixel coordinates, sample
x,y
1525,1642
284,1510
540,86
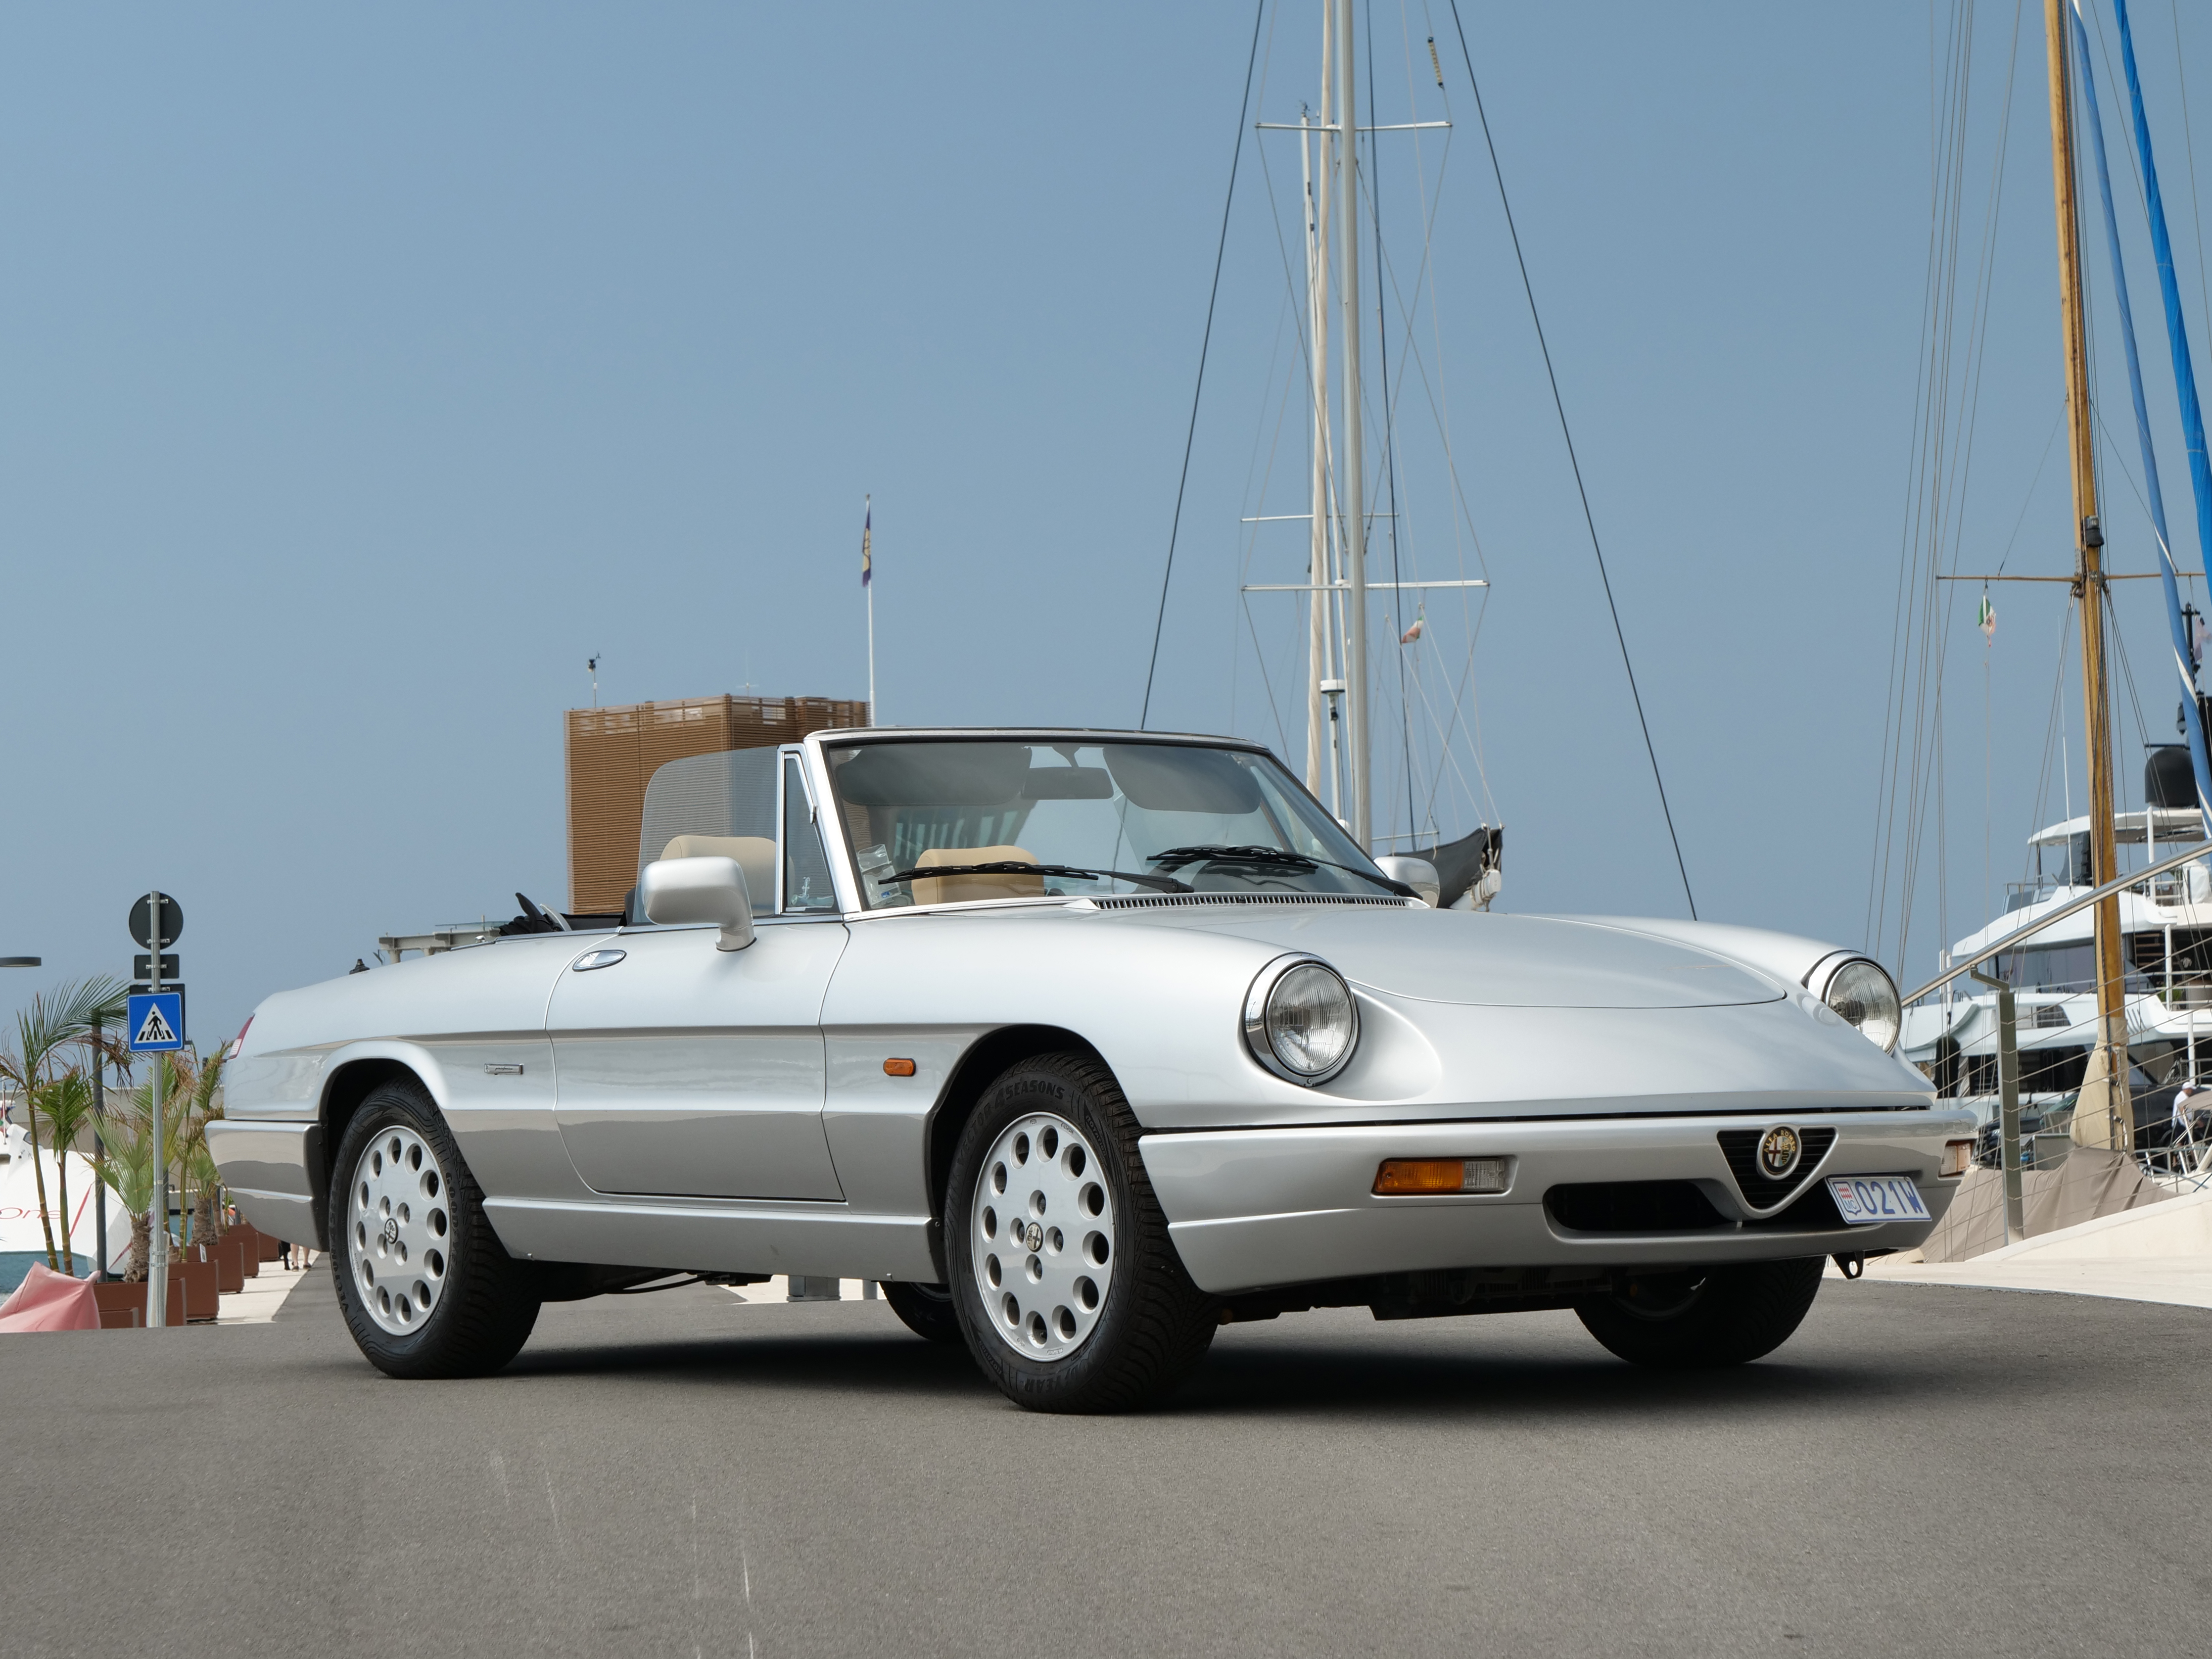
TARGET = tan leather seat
x,y
756,856
954,890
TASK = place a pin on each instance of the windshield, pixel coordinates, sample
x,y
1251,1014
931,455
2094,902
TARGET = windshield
x,y
1090,817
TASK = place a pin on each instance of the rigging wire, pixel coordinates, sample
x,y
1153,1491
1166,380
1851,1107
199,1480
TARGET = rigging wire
x,y
1205,342
1559,403
1390,421
2053,730
1952,364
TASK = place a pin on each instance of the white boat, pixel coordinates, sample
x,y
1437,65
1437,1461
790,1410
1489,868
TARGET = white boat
x,y
2165,926
22,1239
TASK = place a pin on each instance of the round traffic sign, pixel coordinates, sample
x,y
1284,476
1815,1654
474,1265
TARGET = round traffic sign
x,y
142,922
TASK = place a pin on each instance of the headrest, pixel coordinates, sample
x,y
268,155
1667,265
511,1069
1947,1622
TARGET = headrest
x,y
756,856
952,890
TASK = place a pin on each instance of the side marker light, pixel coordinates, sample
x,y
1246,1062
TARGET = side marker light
x,y
1958,1157
899,1068
1404,1176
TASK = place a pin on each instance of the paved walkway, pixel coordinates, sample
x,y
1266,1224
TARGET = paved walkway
x,y
2162,1253
257,1305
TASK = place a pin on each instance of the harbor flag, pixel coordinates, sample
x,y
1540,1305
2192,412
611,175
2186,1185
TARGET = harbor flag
x,y
1986,617
868,528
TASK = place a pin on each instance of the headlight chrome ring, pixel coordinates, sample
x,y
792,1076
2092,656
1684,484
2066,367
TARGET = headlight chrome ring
x,y
1301,1020
1863,994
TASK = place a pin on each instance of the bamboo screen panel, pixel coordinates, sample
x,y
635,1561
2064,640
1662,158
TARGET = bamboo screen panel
x,y
614,752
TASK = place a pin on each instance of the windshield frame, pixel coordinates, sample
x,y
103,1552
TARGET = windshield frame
x,y
843,856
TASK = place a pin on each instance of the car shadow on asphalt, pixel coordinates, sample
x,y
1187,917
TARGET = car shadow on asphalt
x,y
1297,1379
891,1362
1340,1363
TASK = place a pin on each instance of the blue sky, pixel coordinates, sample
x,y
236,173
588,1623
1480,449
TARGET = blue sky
x,y
367,371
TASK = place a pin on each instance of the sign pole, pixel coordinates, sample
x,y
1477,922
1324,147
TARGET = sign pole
x,y
157,1270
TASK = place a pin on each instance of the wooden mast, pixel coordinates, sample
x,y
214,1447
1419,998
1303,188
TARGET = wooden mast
x,y
2103,1117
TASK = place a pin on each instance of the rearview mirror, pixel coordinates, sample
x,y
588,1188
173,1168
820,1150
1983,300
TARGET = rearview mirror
x,y
676,891
1418,874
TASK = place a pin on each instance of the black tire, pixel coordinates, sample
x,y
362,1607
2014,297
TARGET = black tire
x,y
1152,1324
486,1301
926,1308
1709,1318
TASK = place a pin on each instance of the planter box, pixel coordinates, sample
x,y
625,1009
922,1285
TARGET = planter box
x,y
202,1283
229,1259
192,1299
122,1307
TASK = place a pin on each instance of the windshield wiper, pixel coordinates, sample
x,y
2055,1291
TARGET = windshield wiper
x,y
1279,858
1016,867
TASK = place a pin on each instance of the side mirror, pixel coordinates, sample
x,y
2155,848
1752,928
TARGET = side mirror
x,y
1418,874
701,889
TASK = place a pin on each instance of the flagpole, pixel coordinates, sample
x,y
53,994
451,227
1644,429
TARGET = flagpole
x,y
868,583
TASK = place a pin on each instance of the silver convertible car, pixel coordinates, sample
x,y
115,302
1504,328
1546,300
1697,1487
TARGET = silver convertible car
x,y
1082,1044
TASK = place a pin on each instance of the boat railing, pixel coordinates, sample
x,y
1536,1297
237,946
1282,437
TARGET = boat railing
x,y
2013,940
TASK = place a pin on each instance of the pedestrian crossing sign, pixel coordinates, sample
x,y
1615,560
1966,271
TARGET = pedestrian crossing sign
x,y
156,1021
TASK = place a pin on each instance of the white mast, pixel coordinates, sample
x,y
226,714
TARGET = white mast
x,y
1352,486
1318,607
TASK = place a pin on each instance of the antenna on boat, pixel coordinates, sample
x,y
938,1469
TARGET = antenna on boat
x,y
868,587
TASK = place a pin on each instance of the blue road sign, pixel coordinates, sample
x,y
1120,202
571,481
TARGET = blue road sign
x,y
156,1021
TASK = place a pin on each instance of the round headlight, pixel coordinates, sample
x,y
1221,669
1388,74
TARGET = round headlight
x,y
1864,996
1300,1020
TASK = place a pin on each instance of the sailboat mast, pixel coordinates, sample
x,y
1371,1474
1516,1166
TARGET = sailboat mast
x,y
1351,485
2104,1116
1318,599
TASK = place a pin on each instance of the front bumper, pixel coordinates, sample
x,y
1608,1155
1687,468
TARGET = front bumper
x,y
1254,1209
273,1171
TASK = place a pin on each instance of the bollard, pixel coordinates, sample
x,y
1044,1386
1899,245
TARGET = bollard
x,y
2008,1106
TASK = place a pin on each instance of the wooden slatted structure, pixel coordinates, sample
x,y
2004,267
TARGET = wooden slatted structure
x,y
612,754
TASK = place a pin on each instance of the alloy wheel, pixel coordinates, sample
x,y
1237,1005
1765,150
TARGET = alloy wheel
x,y
1043,1236
399,1223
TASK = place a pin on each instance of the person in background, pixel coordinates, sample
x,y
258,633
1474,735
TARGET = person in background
x,y
285,1253
2192,1107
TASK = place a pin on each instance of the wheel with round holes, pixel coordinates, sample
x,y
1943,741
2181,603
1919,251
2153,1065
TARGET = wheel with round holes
x,y
426,1287
1067,1287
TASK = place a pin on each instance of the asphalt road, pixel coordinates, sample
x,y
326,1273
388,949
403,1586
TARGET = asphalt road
x,y
1919,1471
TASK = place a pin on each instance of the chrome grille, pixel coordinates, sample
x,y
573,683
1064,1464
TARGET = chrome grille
x,y
1741,1148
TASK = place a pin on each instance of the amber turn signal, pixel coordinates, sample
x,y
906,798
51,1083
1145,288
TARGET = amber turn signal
x,y
899,1068
1404,1176
1957,1157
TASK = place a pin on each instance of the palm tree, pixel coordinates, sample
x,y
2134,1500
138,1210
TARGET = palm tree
x,y
174,1069
196,1171
42,1030
67,1101
129,1171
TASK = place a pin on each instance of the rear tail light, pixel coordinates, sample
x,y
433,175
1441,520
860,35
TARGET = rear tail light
x,y
239,1042
1958,1157
1405,1176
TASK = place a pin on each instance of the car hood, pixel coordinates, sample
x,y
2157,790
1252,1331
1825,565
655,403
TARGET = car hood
x,y
1479,959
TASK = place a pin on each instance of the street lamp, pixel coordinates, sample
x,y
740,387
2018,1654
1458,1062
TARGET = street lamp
x,y
20,962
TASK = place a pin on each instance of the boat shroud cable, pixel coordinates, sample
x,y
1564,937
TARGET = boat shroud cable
x,y
1205,343
1588,518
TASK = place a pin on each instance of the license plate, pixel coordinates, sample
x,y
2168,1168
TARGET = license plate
x,y
1865,1200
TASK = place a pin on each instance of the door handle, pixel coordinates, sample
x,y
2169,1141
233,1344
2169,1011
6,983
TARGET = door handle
x,y
592,959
